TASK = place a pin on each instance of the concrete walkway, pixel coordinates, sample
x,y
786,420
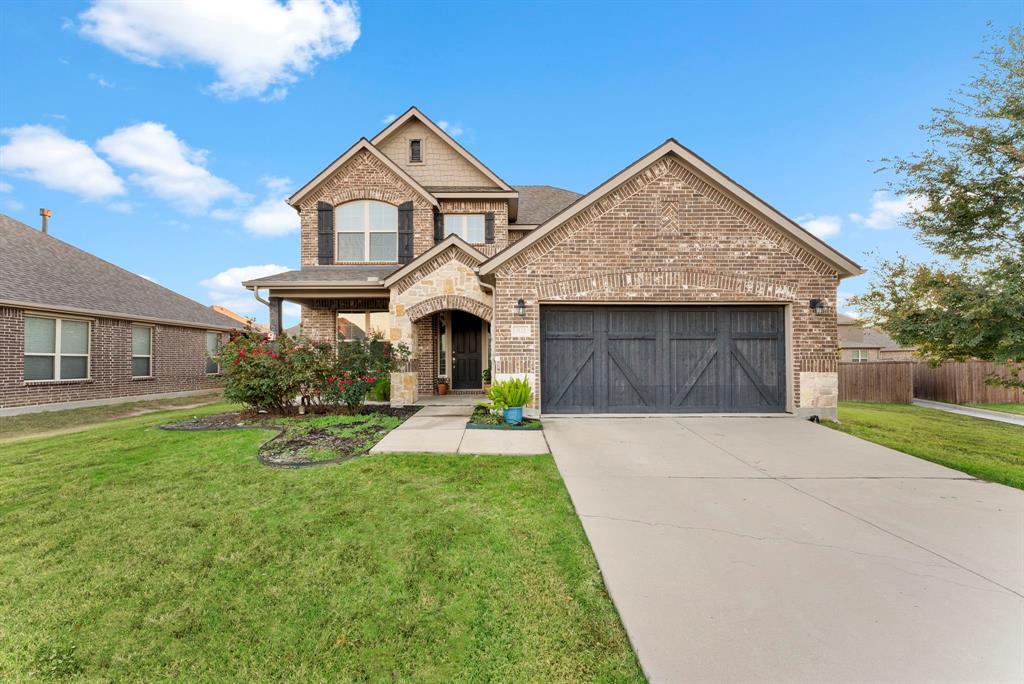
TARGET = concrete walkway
x,y
1001,416
776,550
442,429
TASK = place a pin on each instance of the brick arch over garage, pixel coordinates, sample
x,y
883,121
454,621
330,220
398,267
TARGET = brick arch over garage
x,y
445,302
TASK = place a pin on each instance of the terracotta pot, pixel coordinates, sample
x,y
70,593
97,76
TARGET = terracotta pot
x,y
442,388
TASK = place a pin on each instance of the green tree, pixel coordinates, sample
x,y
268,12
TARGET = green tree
x,y
968,187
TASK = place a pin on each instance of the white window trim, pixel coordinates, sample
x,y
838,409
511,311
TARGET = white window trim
x,y
208,333
57,354
152,331
366,232
464,227
859,355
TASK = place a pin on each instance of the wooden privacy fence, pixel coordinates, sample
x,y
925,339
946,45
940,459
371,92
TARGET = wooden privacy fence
x,y
888,381
963,383
900,381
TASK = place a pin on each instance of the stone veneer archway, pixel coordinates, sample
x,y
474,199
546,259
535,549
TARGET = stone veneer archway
x,y
447,302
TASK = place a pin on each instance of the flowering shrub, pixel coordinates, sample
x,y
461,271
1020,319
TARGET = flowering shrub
x,y
258,373
269,376
360,365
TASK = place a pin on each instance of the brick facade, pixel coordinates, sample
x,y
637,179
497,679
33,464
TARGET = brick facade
x,y
179,363
666,236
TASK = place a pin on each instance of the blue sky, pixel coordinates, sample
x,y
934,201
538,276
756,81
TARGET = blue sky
x,y
168,137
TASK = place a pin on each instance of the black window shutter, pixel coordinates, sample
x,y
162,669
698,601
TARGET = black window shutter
x,y
325,233
438,227
405,233
489,227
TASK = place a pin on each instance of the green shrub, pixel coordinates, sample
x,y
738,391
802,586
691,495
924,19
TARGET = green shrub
x,y
361,364
258,373
382,390
511,393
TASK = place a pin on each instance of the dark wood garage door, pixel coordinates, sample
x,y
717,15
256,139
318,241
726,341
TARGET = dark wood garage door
x,y
662,359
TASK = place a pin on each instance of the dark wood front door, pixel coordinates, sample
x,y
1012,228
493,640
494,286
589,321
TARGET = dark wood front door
x,y
671,359
466,352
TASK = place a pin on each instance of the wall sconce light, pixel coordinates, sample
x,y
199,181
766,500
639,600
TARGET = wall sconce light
x,y
817,306
521,308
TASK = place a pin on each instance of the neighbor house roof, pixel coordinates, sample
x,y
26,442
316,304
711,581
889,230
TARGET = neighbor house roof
x,y
538,203
361,144
355,276
413,113
38,271
707,171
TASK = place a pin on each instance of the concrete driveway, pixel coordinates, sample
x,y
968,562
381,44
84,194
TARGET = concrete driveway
x,y
776,550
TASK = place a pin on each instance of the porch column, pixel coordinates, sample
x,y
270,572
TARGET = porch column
x,y
275,316
405,380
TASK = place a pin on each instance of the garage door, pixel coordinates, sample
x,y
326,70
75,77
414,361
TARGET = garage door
x,y
678,359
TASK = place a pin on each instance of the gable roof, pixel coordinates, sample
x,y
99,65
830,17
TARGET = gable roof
x,y
450,241
672,147
414,113
538,203
38,271
361,145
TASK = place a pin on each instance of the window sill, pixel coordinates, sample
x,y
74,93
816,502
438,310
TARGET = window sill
x,y
143,378
69,381
366,263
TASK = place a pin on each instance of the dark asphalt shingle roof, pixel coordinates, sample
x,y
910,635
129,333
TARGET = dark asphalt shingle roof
x,y
341,275
538,203
39,269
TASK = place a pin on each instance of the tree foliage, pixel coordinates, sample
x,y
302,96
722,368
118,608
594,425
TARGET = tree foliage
x,y
968,187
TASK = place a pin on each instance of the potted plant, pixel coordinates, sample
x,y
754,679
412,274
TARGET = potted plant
x,y
511,396
442,386
486,376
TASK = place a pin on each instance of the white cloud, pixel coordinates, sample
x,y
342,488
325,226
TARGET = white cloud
x,y
272,217
887,211
226,289
102,82
165,165
821,226
452,129
48,157
121,207
388,119
6,187
58,117
843,304
257,47
13,204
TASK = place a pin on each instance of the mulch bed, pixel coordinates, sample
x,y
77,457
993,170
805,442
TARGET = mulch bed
x,y
298,445
527,424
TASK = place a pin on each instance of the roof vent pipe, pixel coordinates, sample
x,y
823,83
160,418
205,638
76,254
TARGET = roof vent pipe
x,y
46,214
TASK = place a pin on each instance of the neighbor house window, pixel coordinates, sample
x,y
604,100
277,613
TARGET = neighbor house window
x,y
367,231
212,347
56,349
142,351
860,355
469,227
415,151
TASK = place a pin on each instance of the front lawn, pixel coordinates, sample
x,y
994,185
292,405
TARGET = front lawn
x,y
134,553
982,448
1006,408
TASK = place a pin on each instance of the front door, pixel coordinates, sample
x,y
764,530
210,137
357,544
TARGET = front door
x,y
466,352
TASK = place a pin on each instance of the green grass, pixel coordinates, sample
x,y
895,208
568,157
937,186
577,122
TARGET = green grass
x,y
136,554
14,427
982,448
1006,408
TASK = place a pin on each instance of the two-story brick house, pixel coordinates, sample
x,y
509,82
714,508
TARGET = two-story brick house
x,y
668,288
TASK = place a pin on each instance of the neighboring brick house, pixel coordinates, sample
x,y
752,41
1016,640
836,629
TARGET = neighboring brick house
x,y
669,288
74,328
858,344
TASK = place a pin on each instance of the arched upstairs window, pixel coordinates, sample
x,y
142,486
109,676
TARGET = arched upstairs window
x,y
367,230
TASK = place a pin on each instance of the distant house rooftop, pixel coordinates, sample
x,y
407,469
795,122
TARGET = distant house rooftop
x,y
39,271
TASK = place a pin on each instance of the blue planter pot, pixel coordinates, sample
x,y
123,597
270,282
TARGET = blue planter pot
x,y
513,416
